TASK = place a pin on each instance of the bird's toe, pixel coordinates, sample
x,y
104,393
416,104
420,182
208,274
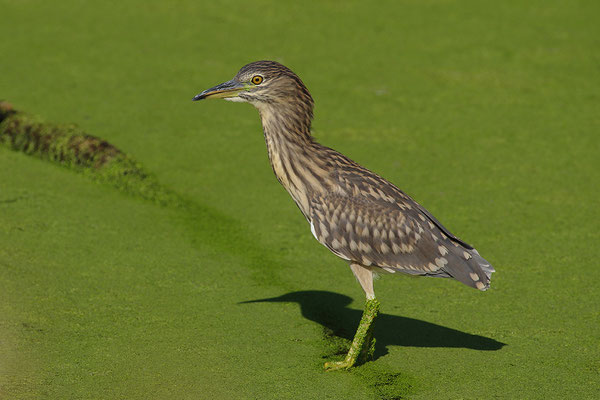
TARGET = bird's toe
x,y
338,365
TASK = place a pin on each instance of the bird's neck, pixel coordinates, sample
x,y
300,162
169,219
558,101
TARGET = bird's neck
x,y
293,154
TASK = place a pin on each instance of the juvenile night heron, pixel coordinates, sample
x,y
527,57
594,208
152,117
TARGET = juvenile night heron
x,y
355,213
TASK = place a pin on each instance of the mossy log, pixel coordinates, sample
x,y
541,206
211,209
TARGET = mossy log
x,y
69,146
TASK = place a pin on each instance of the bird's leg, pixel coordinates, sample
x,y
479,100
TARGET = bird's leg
x,y
363,343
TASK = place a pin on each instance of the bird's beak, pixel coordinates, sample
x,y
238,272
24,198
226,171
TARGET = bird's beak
x,y
223,91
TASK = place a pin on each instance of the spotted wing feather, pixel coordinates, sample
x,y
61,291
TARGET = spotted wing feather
x,y
372,222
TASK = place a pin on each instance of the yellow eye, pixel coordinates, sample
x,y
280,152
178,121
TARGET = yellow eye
x,y
257,80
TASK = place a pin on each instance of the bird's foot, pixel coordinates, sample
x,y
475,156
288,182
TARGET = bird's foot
x,y
350,361
338,365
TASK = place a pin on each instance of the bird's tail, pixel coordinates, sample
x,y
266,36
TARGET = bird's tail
x,y
469,267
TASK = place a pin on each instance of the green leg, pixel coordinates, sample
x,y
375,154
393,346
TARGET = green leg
x,y
363,344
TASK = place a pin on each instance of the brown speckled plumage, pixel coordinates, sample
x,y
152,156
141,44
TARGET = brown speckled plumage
x,y
357,214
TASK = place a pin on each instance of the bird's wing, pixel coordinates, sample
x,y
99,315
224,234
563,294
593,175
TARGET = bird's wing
x,y
394,233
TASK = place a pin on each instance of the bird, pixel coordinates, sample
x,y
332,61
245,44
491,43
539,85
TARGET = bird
x,y
358,215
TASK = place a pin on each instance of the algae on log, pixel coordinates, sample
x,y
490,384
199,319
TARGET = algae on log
x,y
69,146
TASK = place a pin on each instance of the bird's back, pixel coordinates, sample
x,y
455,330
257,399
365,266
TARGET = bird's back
x,y
366,219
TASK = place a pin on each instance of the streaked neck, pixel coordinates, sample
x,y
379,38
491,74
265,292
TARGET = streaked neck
x,y
293,154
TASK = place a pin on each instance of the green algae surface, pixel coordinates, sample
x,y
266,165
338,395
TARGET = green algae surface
x,y
486,113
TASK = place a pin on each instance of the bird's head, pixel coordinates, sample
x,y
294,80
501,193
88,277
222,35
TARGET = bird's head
x,y
262,83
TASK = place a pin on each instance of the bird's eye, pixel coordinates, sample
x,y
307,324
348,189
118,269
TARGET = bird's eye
x,y
257,80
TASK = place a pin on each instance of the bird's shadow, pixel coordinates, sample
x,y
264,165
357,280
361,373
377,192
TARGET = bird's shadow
x,y
331,311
